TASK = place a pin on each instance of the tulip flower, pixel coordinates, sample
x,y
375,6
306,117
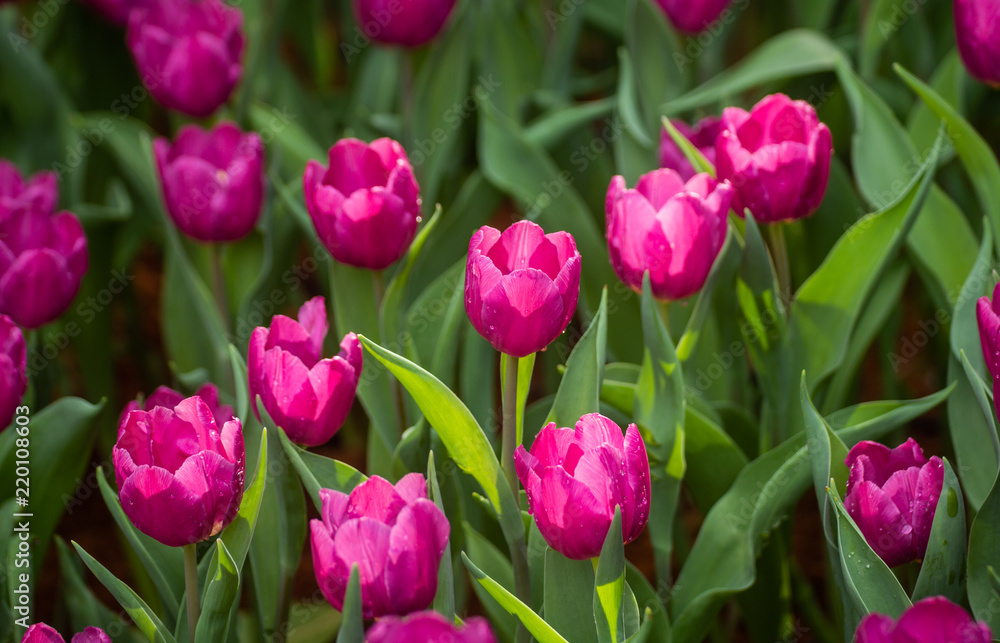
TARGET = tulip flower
x,y
212,181
180,475
13,377
575,478
396,537
702,135
116,11
366,205
672,229
692,16
410,23
988,316
169,398
777,156
892,495
305,395
43,256
429,627
42,633
977,31
521,286
932,620
188,52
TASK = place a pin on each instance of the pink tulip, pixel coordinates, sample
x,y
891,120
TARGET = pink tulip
x,y
521,286
977,32
932,620
307,396
675,230
692,16
988,316
892,495
777,156
396,537
180,478
13,377
366,205
212,181
42,633
169,398
575,478
429,627
402,22
702,135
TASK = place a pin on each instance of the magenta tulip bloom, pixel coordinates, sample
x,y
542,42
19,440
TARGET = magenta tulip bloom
x,y
675,230
188,52
932,620
212,181
777,156
42,633
988,316
180,476
429,627
169,398
702,135
43,256
366,205
13,377
521,286
116,11
396,537
575,478
977,31
692,16
410,23
307,396
892,495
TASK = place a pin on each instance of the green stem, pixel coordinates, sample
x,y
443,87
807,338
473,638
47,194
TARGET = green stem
x,y
378,283
219,283
663,307
510,425
191,587
779,254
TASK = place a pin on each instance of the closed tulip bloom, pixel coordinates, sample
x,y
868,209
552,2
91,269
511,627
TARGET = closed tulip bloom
x,y
307,396
429,627
692,16
988,316
188,52
410,23
212,181
702,135
521,286
675,230
777,156
13,377
892,495
977,31
116,10
575,478
42,633
169,398
932,620
396,537
180,475
40,192
366,204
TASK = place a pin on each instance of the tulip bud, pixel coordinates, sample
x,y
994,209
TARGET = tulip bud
x,y
675,230
13,378
692,16
988,317
574,479
429,627
116,11
932,620
169,398
42,633
212,181
977,31
702,135
396,537
188,52
305,395
43,256
521,286
892,495
366,205
180,477
777,156
410,23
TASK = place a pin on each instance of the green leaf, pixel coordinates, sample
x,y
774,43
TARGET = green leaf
x,y
979,388
569,596
238,535
984,551
297,147
221,592
498,567
827,454
579,391
444,599
319,472
726,262
714,460
651,43
610,584
688,149
942,572
392,303
84,608
352,628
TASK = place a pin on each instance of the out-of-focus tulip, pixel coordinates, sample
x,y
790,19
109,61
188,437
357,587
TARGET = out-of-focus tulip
x,y
988,316
892,495
43,256
212,180
702,135
977,31
396,537
575,478
932,620
42,633
188,52
366,205
305,395
116,10
777,156
429,627
180,477
692,16
521,286
410,23
13,377
675,230
169,398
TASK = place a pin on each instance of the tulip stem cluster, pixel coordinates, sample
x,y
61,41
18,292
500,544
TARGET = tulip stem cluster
x,y
191,586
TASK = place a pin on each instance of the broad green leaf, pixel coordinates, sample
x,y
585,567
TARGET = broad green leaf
x,y
220,593
557,124
84,608
444,599
659,73
982,395
609,585
569,596
352,628
497,566
942,572
580,389
714,460
650,602
319,472
984,551
827,454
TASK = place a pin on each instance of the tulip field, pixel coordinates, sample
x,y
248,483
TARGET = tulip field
x,y
499,321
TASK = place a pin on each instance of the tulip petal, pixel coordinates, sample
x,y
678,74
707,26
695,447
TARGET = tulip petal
x,y
91,635
42,633
881,523
377,499
875,628
938,619
161,507
355,166
365,542
659,186
325,562
416,545
568,516
37,288
522,313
